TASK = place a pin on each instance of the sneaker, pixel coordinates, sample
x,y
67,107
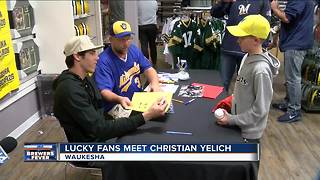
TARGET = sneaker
x,y
290,116
281,106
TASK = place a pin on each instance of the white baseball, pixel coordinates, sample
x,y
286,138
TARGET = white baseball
x,y
219,114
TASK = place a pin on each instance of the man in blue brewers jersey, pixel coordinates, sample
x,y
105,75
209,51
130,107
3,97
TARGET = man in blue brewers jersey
x,y
235,11
118,70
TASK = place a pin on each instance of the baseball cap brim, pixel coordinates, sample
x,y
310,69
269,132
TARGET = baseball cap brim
x,y
93,48
124,34
237,31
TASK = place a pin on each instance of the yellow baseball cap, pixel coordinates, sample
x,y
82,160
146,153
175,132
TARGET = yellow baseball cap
x,y
78,44
254,25
120,29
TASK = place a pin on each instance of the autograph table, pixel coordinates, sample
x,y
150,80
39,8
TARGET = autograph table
x,y
195,118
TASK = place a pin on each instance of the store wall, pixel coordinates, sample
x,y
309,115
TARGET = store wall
x,y
54,25
17,113
131,16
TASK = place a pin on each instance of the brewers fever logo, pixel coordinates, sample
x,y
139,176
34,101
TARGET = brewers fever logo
x,y
40,152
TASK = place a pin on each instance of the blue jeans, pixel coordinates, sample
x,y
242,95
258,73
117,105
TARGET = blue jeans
x,y
229,63
293,60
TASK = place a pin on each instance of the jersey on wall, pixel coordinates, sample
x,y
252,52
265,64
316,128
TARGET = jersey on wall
x,y
207,43
181,44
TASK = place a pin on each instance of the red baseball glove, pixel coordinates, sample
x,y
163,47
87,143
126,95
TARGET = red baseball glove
x,y
225,103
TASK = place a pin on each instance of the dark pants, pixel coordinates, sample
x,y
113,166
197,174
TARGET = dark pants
x,y
147,37
229,63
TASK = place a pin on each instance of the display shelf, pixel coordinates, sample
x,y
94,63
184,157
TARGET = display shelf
x,y
88,22
82,16
167,8
93,38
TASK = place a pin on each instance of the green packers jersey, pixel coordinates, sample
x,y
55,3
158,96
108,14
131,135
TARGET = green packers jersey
x,y
182,39
208,43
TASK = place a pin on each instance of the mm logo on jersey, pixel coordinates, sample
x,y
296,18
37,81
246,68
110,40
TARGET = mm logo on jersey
x,y
244,9
123,26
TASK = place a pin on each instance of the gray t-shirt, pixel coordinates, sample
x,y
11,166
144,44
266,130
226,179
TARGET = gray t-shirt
x,y
116,8
147,12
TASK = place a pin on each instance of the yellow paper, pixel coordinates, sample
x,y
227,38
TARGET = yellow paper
x,y
142,101
9,79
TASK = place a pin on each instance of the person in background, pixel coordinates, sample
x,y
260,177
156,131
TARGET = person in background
x,y
253,88
236,10
186,3
147,21
275,24
116,10
295,39
118,70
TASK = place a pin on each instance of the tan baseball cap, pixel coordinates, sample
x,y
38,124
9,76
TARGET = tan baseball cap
x,y
78,44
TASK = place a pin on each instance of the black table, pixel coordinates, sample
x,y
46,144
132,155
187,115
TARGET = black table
x,y
196,118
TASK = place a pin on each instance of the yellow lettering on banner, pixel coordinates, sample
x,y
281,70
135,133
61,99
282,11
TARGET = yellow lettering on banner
x,y
2,23
6,80
3,44
4,72
4,50
9,79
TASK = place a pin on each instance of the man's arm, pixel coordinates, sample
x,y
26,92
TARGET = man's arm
x,y
93,123
105,82
278,12
110,96
76,103
153,79
265,11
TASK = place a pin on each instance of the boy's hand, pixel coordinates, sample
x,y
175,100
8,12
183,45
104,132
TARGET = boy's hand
x,y
225,120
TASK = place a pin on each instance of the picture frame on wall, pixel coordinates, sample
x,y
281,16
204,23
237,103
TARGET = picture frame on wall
x,y
27,56
21,18
18,18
